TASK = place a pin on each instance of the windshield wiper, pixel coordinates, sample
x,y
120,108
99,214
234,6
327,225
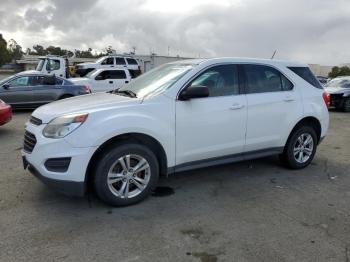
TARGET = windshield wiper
x,y
128,93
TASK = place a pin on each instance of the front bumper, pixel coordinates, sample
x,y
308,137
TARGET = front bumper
x,y
65,178
68,188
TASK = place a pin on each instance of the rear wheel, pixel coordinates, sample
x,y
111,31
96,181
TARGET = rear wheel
x,y
126,174
300,148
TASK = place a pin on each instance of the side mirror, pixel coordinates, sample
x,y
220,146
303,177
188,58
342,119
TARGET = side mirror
x,y
99,77
6,86
194,92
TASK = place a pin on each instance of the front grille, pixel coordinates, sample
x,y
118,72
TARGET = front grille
x,y
35,121
29,142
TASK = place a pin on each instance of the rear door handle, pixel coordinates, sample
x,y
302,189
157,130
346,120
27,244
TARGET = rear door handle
x,y
111,82
236,106
126,81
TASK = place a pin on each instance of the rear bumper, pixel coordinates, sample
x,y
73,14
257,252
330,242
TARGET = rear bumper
x,y
68,188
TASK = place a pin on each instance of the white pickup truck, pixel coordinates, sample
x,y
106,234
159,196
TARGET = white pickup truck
x,y
111,61
53,65
103,80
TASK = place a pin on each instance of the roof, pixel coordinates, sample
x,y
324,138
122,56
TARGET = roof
x,y
242,60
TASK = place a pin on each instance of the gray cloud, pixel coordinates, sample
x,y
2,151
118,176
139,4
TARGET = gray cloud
x,y
313,31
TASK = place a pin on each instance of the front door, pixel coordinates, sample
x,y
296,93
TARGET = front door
x,y
212,128
17,92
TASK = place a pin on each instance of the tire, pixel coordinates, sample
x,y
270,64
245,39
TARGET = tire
x,y
290,156
115,180
346,105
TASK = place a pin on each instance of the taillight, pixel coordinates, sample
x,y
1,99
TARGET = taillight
x,y
86,89
326,98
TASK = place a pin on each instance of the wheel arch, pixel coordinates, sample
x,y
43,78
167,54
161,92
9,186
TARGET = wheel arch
x,y
308,121
141,138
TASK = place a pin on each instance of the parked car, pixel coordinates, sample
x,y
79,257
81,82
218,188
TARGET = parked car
x,y
339,91
111,61
177,117
30,90
5,113
323,80
102,80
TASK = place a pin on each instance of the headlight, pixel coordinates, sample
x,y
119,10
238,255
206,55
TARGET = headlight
x,y
64,125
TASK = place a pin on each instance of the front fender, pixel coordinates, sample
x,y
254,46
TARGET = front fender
x,y
100,128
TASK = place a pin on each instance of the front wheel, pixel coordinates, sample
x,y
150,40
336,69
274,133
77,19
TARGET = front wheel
x,y
300,148
126,174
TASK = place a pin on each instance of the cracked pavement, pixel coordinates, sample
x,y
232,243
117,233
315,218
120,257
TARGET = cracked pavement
x,y
248,211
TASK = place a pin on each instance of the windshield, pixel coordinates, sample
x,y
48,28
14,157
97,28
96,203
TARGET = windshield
x,y
158,79
3,81
341,82
88,75
40,65
100,59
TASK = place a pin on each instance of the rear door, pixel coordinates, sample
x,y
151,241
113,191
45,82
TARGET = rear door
x,y
273,104
119,78
18,92
44,92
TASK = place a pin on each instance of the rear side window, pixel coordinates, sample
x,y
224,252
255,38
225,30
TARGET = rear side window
x,y
119,61
117,74
131,61
306,74
134,73
262,79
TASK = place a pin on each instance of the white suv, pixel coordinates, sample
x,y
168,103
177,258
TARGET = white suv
x,y
104,80
179,116
111,61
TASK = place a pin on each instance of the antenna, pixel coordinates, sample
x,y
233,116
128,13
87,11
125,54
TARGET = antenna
x,y
273,55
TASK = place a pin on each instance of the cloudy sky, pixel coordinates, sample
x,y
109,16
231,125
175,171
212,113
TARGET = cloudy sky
x,y
313,31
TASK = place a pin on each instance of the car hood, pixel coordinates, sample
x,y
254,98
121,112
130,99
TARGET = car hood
x,y
87,64
79,80
337,90
83,104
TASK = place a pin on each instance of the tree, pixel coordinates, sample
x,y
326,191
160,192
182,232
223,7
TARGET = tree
x,y
4,52
15,50
339,71
39,50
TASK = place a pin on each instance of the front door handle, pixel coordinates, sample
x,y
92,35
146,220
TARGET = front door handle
x,y
126,81
236,106
288,99
111,82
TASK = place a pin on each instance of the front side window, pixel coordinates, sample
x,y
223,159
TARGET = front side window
x,y
306,74
19,82
102,76
119,61
221,80
53,64
262,79
117,74
108,61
